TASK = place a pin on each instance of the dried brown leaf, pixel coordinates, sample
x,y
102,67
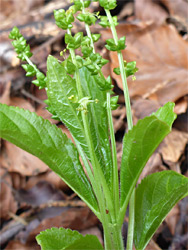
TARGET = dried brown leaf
x,y
172,219
8,203
50,177
41,193
173,146
93,231
144,107
74,218
161,56
17,245
17,160
149,10
177,8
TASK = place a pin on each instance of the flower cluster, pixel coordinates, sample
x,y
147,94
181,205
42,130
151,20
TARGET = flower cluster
x,y
130,68
24,53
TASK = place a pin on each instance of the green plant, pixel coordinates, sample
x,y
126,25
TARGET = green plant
x,y
80,96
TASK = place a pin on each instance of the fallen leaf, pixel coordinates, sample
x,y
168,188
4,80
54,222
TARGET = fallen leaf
x,y
144,107
42,192
18,181
172,219
181,122
5,97
21,103
17,245
161,56
181,105
8,203
73,218
93,231
48,176
177,8
149,10
173,146
127,10
153,165
152,245
17,160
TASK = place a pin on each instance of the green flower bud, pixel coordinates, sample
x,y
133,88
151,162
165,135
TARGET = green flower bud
x,y
69,66
86,41
111,44
130,68
29,69
78,39
117,71
121,43
103,84
15,33
63,19
113,102
78,5
86,51
113,47
88,18
86,4
40,81
103,62
108,4
105,23
95,37
79,61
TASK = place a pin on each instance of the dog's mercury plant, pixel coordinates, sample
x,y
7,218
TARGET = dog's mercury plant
x,y
80,96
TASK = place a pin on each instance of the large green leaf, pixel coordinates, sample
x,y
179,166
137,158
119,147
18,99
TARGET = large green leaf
x,y
44,140
98,121
66,239
155,197
60,87
139,144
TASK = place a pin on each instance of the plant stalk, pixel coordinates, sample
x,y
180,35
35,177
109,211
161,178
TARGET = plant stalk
x,y
88,31
110,121
114,157
130,126
102,191
116,235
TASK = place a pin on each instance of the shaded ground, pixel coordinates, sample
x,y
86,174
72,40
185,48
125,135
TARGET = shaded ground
x,y
32,197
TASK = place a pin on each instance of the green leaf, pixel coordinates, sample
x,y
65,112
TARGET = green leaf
x,y
64,239
44,140
155,197
139,144
97,116
60,88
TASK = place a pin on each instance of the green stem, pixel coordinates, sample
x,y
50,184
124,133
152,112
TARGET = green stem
x,y
131,222
117,237
88,171
30,62
115,172
102,191
94,160
88,31
130,125
114,157
123,73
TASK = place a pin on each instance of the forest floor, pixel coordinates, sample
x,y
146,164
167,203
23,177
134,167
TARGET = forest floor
x,y
33,198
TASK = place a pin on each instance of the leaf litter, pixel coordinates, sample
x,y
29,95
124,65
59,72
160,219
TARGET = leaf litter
x,y
158,44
